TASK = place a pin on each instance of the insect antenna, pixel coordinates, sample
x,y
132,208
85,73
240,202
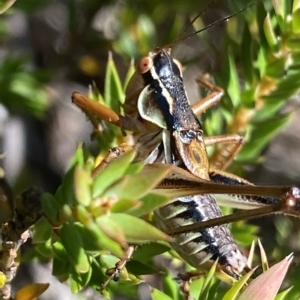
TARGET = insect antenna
x,y
184,36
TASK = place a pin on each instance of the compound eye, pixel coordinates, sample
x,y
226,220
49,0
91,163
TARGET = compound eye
x,y
146,64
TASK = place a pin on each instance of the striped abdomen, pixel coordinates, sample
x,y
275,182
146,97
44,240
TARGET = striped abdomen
x,y
201,247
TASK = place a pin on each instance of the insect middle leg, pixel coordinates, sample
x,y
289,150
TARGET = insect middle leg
x,y
214,96
232,143
115,273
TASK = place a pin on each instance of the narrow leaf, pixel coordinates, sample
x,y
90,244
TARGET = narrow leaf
x,y
270,35
283,294
113,91
148,204
111,173
83,182
112,229
158,295
267,285
72,242
235,289
136,186
137,230
263,257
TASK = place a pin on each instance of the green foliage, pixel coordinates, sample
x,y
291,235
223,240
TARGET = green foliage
x,y
95,218
91,219
22,91
5,5
259,74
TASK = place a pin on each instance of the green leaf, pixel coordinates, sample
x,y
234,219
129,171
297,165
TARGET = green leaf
x,y
83,183
269,109
60,251
244,233
60,267
139,268
135,230
158,295
208,280
261,14
296,21
147,251
124,205
284,294
277,68
112,229
50,206
82,214
233,293
134,168
113,91
44,249
148,204
263,257
261,62
101,240
129,74
78,157
91,239
261,135
269,33
72,242
108,261
232,80
267,129
196,287
136,186
42,231
111,173
78,280
247,61
171,287
65,193
280,8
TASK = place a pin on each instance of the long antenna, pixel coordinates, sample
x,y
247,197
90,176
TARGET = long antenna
x,y
185,37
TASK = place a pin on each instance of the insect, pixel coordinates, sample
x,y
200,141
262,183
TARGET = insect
x,y
167,131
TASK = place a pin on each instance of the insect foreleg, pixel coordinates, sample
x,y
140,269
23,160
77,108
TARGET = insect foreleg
x,y
102,111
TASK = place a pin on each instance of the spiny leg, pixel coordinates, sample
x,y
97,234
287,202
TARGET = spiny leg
x,y
284,206
274,200
214,96
223,156
115,273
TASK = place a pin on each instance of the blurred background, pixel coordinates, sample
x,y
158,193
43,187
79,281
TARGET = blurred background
x,y
51,48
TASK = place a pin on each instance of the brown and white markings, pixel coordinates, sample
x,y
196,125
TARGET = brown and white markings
x,y
167,131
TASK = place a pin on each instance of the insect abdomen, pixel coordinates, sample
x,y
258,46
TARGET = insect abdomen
x,y
204,246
